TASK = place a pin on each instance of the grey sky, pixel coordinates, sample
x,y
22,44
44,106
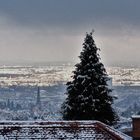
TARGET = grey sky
x,y
53,30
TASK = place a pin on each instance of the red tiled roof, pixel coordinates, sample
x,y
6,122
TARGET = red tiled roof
x,y
86,130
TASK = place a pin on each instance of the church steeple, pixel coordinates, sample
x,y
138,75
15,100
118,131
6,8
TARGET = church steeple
x,y
38,101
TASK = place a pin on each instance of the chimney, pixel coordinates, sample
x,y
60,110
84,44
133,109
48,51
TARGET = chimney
x,y
136,127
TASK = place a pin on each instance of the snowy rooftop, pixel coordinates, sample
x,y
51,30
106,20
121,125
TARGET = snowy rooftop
x,y
136,116
59,130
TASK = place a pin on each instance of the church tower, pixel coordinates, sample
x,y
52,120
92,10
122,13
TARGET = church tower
x,y
38,101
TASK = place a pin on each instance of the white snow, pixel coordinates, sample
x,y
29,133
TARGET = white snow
x,y
136,116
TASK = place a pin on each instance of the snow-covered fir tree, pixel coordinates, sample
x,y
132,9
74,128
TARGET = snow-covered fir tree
x,y
88,93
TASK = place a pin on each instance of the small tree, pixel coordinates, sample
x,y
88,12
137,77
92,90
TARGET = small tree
x,y
88,93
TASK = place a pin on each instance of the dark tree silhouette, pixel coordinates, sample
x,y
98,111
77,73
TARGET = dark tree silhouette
x,y
88,93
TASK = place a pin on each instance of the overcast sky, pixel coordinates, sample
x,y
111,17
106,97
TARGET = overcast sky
x,y
54,30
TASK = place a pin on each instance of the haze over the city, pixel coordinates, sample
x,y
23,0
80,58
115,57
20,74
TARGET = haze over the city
x,y
51,30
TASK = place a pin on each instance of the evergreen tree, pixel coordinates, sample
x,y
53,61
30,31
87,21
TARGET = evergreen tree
x,y
88,93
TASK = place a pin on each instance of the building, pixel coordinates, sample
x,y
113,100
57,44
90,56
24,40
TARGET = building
x,y
81,130
134,130
136,127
